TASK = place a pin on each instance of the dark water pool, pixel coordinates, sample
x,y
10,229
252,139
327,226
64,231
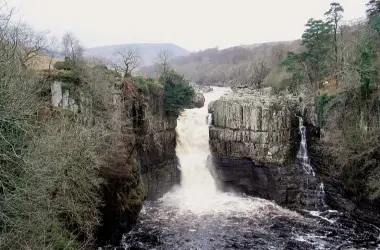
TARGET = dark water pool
x,y
163,226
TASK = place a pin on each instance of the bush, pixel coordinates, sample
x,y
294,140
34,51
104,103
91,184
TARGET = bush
x,y
64,65
178,93
278,79
56,197
147,85
325,103
67,77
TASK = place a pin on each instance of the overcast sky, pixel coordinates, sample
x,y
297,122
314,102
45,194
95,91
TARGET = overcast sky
x,y
191,24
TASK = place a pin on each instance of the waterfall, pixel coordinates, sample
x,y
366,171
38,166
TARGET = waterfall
x,y
302,154
304,159
209,119
198,193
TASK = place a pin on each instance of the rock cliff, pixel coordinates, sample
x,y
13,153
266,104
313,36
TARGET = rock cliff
x,y
254,139
142,162
156,143
147,152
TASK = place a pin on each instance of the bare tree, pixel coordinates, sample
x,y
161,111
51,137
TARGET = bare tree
x,y
277,54
30,43
72,49
8,36
260,70
127,60
163,61
52,51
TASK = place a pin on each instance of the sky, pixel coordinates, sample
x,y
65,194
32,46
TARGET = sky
x,y
192,24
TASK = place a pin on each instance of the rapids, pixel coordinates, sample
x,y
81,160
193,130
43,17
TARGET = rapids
x,y
195,215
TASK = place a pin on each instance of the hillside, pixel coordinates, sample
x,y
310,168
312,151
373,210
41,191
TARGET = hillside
x,y
235,66
148,51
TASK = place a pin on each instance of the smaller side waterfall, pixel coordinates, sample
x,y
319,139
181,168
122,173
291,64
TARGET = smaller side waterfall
x,y
209,119
302,154
304,159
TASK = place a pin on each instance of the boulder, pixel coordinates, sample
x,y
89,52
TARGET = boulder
x,y
198,100
206,89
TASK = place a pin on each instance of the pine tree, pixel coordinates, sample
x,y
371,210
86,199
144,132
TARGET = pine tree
x,y
316,39
373,14
334,16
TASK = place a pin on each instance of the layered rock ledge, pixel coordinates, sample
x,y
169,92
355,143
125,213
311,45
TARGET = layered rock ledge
x,y
254,139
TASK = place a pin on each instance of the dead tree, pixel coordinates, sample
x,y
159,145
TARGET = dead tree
x,y
127,60
30,43
163,62
72,49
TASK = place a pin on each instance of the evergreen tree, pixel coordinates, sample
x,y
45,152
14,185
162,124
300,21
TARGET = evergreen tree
x,y
373,14
316,39
334,16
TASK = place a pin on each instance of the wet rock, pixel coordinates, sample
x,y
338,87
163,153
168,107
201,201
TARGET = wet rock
x,y
198,100
156,142
206,89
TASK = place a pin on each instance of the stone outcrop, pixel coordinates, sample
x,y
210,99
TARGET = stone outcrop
x,y
254,139
205,89
198,99
61,97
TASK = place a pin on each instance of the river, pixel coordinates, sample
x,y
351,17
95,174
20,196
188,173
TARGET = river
x,y
195,215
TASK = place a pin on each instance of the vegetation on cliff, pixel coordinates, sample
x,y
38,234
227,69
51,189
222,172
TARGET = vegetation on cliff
x,y
68,177
177,91
50,159
339,69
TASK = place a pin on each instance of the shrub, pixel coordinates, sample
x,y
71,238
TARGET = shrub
x,y
178,93
57,195
278,79
67,77
64,65
147,85
325,103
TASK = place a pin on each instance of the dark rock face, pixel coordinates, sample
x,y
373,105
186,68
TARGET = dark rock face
x,y
358,207
144,164
254,141
156,143
287,185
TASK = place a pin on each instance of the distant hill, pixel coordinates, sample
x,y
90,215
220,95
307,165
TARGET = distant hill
x,y
148,51
235,66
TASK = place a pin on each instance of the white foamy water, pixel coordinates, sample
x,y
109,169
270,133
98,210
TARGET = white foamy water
x,y
198,193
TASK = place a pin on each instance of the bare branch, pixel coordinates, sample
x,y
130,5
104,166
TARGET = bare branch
x,y
127,60
163,61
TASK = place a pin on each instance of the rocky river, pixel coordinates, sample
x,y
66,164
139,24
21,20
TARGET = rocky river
x,y
196,215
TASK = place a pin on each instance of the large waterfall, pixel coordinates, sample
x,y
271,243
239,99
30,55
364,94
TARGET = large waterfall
x,y
198,193
195,215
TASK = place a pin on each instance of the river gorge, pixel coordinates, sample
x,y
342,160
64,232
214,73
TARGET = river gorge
x,y
196,215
